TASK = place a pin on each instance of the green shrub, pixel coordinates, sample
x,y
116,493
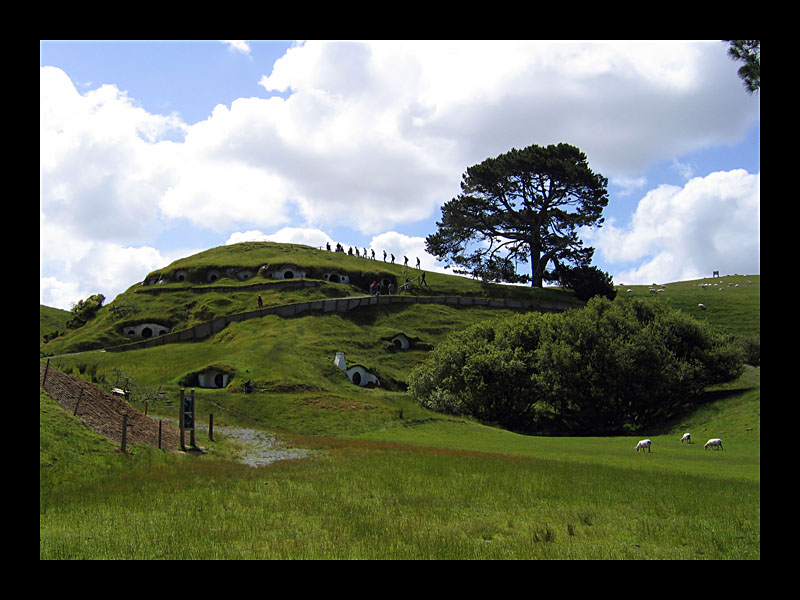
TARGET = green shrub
x,y
609,368
587,282
85,310
751,347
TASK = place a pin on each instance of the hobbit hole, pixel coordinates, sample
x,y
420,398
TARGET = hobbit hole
x,y
336,278
145,330
400,342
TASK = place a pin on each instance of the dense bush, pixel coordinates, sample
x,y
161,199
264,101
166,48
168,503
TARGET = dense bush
x,y
85,310
608,368
588,282
751,346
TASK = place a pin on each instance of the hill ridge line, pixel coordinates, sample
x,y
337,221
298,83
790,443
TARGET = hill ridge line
x,y
346,304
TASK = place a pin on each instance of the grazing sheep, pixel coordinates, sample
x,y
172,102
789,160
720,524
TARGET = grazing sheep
x,y
703,306
714,442
644,444
687,437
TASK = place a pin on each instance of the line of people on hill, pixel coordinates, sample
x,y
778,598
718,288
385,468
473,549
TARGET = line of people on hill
x,y
354,252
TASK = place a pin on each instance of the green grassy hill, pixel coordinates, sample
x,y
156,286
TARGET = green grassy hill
x,y
185,297
387,479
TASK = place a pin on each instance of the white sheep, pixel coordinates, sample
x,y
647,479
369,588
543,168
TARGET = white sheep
x,y
703,306
687,437
644,444
714,442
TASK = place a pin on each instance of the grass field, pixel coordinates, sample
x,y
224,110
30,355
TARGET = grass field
x,y
436,497
431,488
386,479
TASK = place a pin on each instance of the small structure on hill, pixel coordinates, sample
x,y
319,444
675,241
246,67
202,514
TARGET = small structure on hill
x,y
336,278
288,272
144,331
357,374
401,341
213,379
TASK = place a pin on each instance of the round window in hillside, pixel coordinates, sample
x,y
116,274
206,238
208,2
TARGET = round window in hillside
x,y
131,332
162,331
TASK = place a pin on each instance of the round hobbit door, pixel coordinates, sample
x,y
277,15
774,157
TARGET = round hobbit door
x,y
357,378
288,275
219,380
147,332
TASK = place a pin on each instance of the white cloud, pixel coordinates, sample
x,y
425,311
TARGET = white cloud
x,y
402,245
80,269
315,238
238,46
629,185
682,233
371,136
684,169
377,134
101,177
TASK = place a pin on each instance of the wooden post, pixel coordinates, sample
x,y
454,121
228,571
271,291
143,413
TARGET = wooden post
x,y
46,369
77,404
180,419
211,427
124,431
191,434
159,434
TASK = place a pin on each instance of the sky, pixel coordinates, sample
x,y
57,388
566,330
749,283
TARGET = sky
x,y
151,151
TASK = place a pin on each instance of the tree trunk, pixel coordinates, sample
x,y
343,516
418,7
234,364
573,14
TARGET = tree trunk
x,y
536,271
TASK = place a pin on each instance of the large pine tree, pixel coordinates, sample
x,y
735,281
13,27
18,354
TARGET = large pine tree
x,y
524,205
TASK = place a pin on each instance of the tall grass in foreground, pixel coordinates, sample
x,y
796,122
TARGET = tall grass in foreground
x,y
370,500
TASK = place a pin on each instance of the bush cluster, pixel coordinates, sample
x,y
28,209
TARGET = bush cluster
x,y
85,310
612,367
587,282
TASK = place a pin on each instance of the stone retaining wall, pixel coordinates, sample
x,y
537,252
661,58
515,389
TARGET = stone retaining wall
x,y
204,330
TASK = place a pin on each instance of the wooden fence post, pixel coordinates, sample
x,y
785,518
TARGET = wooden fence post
x,y
78,403
159,434
124,432
191,433
180,420
211,427
46,369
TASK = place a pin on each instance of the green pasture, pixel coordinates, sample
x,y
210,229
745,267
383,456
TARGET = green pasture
x,y
385,478
441,489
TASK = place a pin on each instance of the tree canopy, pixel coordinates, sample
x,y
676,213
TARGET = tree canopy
x,y
749,52
611,368
524,205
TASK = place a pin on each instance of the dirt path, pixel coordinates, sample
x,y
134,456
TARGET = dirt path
x,y
102,412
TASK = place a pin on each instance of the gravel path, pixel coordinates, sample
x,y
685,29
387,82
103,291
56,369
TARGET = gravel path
x,y
260,448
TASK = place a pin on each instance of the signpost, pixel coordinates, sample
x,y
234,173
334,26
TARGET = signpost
x,y
186,418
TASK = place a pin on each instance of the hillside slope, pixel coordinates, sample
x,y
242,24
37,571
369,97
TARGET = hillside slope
x,y
229,279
